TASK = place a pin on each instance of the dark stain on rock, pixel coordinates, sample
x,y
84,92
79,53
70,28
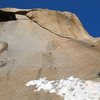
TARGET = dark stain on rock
x,y
39,73
8,74
48,59
92,45
54,67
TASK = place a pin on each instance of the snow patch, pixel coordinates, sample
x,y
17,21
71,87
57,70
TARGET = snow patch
x,y
70,88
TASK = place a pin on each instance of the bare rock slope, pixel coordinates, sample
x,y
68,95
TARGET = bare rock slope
x,y
43,43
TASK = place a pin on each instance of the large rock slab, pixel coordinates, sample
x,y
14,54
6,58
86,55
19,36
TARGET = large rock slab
x,y
44,43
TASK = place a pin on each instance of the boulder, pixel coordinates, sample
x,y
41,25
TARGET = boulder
x,y
44,43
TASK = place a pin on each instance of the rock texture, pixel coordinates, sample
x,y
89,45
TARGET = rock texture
x,y
43,43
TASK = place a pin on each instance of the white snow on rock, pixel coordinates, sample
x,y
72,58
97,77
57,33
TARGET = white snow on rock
x,y
70,88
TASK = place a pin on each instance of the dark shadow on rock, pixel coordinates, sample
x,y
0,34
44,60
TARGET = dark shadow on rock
x,y
98,74
22,12
7,16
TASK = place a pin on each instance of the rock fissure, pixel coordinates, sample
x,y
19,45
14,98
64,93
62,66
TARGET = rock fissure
x,y
51,31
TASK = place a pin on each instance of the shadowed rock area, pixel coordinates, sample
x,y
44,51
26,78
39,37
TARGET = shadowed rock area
x,y
7,16
43,43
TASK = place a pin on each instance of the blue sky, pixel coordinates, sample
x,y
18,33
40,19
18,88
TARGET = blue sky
x,y
88,11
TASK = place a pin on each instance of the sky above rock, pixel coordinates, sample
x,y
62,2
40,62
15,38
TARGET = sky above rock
x,y
88,11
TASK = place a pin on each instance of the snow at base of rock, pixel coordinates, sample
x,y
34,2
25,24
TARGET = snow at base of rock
x,y
70,88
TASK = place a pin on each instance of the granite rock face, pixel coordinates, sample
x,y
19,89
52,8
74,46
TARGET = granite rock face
x,y
39,43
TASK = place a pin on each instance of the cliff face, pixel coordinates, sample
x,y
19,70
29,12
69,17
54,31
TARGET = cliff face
x,y
43,43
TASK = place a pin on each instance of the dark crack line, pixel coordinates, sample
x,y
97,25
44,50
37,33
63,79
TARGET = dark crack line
x,y
51,31
25,13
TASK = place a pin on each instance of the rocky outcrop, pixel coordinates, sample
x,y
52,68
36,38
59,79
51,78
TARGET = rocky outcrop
x,y
64,24
44,43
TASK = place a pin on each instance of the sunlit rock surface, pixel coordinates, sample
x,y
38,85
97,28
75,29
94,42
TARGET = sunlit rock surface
x,y
39,43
